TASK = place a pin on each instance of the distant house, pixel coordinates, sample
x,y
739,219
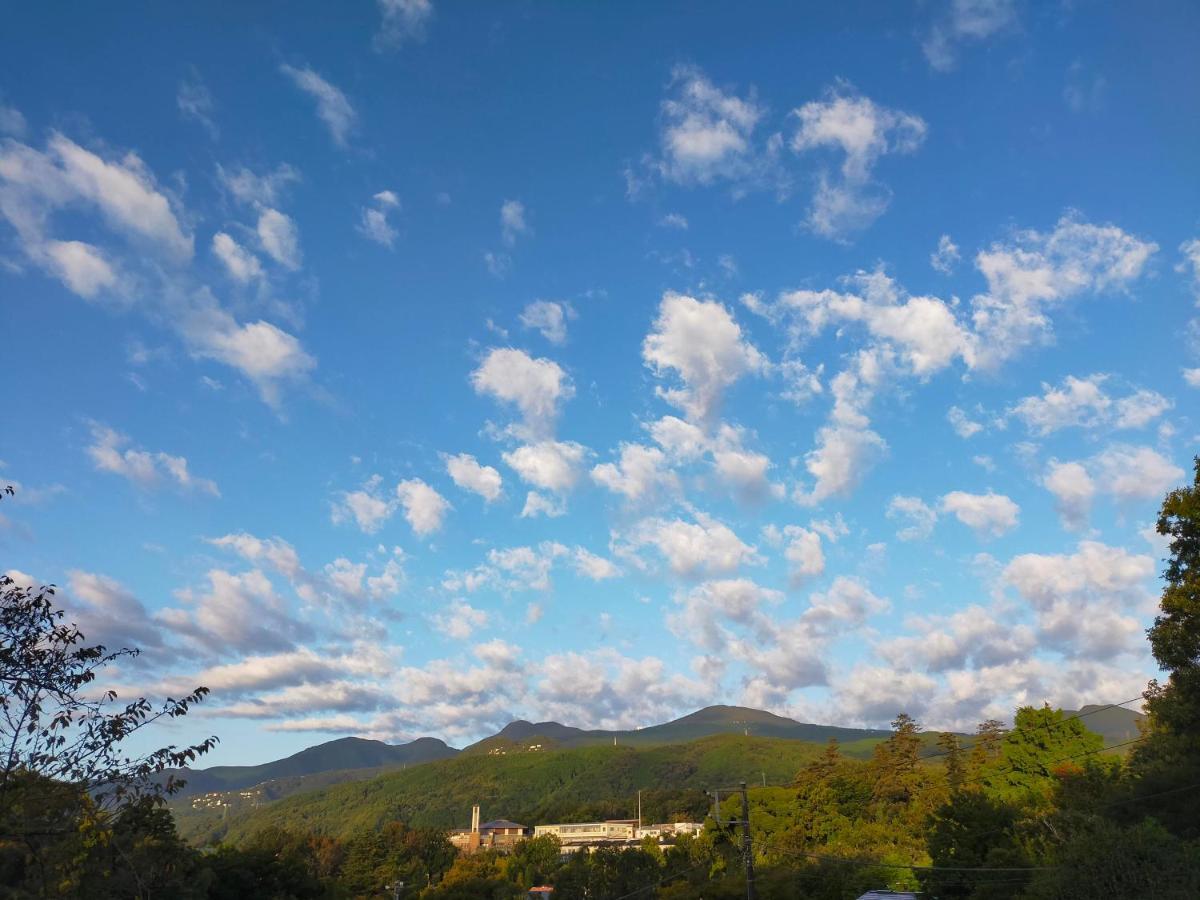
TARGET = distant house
x,y
498,834
541,892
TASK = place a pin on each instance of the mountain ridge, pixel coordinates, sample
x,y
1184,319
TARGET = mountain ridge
x,y
351,755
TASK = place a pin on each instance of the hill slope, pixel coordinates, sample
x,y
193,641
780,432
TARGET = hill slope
x,y
333,756
705,722
600,781
1116,724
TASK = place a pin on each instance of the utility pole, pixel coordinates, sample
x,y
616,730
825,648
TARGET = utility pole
x,y
639,809
747,847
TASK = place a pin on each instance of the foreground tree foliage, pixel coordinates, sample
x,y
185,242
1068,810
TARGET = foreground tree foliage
x,y
79,816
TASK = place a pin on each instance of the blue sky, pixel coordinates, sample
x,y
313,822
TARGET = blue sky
x,y
435,365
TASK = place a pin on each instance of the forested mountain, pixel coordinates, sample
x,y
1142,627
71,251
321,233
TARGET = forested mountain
x,y
342,754
356,758
702,723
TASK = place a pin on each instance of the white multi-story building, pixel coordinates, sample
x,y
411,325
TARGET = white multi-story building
x,y
577,833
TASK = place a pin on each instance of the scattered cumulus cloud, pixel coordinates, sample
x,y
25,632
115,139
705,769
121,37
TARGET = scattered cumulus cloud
x,y
373,221
466,472
708,134
700,343
946,256
195,102
402,21
513,223
863,132
960,22
424,508
549,318
333,109
536,387
110,451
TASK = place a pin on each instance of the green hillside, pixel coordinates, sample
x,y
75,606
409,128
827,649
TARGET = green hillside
x,y
599,781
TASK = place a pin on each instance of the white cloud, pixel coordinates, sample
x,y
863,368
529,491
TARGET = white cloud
x,y
691,549
746,472
803,553
1190,264
707,134
552,465
373,221
35,184
1073,490
705,609
846,605
240,263
257,190
1192,377
988,515
109,453
1035,270
280,238
498,264
468,474
1139,409
597,568
973,636
1135,473
924,332
1080,401
1083,402
534,386
332,106
12,122
195,102
538,504
863,131
264,353
424,508
674,220
403,20
549,318
459,620
946,256
920,517
681,440
962,424
966,21
239,613
842,456
700,342
512,221
366,507
1084,90
1078,598
82,267
641,472
1125,472
108,613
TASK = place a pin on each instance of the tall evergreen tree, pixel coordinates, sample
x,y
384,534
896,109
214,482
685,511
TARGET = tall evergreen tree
x,y
1168,761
